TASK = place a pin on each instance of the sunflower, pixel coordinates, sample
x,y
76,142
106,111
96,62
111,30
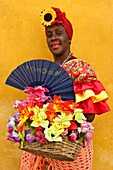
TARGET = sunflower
x,y
47,16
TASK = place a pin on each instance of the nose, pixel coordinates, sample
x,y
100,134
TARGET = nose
x,y
53,37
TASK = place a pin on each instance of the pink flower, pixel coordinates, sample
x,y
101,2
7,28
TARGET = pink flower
x,y
72,137
9,129
17,102
20,102
37,90
40,137
87,126
84,128
89,136
90,126
37,93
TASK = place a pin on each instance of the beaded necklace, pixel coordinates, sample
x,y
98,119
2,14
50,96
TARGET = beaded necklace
x,y
68,57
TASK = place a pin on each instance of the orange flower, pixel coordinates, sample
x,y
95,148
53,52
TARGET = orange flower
x,y
50,107
21,127
21,108
26,112
73,125
62,106
57,99
51,115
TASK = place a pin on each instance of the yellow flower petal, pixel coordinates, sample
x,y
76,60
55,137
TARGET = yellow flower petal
x,y
51,135
43,123
52,15
79,116
39,118
78,111
63,120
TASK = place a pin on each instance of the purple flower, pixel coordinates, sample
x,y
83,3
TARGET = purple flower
x,y
27,131
30,138
11,119
17,139
9,137
13,137
9,125
72,137
16,115
14,134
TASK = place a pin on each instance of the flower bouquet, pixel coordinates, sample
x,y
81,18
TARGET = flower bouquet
x,y
48,127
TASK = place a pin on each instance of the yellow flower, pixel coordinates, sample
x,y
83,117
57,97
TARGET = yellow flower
x,y
79,116
52,135
59,124
44,109
62,121
78,111
47,16
39,118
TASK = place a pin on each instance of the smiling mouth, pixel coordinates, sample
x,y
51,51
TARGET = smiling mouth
x,y
55,45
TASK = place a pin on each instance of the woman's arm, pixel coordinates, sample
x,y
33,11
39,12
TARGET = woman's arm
x,y
90,117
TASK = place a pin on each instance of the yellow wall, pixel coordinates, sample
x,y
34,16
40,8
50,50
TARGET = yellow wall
x,y
22,38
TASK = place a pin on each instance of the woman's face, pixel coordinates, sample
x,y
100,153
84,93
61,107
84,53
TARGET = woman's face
x,y
57,40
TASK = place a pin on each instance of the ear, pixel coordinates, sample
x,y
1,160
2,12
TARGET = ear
x,y
69,42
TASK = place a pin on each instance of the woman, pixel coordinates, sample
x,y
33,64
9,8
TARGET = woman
x,y
90,93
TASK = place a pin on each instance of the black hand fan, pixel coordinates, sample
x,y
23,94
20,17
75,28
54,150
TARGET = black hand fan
x,y
43,72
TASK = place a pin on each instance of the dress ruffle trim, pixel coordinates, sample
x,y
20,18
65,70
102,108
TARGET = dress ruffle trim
x,y
94,85
93,108
91,97
89,93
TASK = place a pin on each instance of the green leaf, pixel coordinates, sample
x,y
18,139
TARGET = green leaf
x,y
33,130
5,133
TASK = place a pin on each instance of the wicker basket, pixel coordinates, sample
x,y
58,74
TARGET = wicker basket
x,y
65,150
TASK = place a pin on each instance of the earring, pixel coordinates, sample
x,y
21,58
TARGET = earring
x,y
69,41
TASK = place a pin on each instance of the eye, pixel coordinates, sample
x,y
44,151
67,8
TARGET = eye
x,y
59,33
49,34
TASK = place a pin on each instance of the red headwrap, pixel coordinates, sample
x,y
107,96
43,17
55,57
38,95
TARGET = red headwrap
x,y
61,19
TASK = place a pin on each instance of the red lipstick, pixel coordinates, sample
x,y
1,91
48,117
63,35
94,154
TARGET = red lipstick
x,y
55,45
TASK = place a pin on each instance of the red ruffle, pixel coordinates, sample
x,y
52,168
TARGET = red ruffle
x,y
95,85
94,108
87,81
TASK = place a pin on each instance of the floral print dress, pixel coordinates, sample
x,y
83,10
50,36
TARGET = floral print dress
x,y
91,97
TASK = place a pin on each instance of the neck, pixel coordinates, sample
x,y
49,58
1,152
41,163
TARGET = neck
x,y
59,59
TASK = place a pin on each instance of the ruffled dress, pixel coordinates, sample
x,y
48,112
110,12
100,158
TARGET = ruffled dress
x,y
91,97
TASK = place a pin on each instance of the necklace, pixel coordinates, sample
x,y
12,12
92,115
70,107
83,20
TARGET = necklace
x,y
68,57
